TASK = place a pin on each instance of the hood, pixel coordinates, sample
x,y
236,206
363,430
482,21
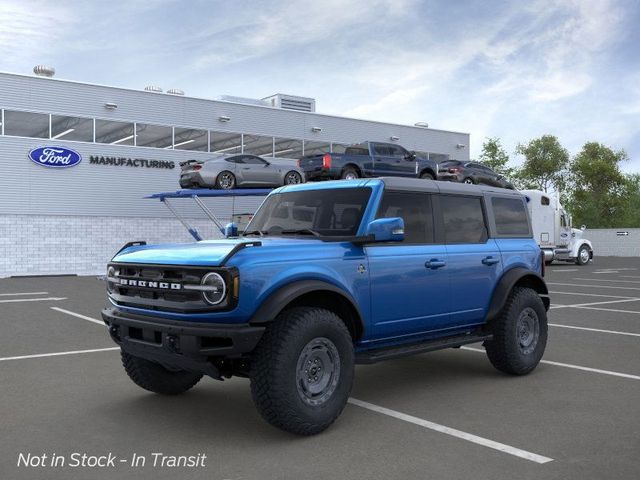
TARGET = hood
x,y
206,253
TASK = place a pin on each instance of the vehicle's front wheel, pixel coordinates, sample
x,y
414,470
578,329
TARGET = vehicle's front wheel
x,y
302,370
519,333
583,255
292,178
427,176
225,180
350,173
156,378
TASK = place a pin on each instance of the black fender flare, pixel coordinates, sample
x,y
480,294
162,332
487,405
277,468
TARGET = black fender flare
x,y
506,283
286,294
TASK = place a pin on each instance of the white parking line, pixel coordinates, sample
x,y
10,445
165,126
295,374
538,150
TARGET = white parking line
x,y
610,310
48,299
589,304
57,354
23,293
533,457
575,367
629,276
84,317
590,295
598,330
594,286
563,270
614,281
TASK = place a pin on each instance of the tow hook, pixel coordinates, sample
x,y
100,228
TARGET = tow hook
x,y
114,331
172,343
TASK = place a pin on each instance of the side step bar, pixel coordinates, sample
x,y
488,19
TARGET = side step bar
x,y
387,353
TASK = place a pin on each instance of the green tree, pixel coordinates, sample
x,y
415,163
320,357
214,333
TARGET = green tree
x,y
545,164
495,157
600,192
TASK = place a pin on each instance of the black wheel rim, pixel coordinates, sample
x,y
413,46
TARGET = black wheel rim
x,y
318,371
293,178
528,330
226,181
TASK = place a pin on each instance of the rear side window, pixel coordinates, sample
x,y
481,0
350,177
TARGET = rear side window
x,y
356,151
510,216
414,209
463,219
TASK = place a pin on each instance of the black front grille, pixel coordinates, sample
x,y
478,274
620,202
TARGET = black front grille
x,y
152,287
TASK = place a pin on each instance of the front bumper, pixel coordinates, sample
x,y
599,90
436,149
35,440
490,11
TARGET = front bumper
x,y
178,344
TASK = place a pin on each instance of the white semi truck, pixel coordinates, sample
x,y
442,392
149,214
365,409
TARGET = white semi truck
x,y
553,231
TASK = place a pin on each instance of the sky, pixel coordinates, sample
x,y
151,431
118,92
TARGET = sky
x,y
508,69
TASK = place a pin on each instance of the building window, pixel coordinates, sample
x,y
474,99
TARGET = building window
x,y
157,136
26,124
287,148
225,143
71,128
190,139
115,133
316,148
258,145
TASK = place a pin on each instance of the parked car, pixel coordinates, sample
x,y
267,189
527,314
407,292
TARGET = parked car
x,y
325,276
368,159
231,171
472,173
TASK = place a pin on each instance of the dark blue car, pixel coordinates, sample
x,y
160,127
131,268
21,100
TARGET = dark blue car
x,y
328,275
368,159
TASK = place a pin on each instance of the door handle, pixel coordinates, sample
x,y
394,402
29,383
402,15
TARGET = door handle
x,y
434,264
490,260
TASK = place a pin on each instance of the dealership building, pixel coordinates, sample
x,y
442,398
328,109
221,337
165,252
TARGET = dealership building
x,y
128,144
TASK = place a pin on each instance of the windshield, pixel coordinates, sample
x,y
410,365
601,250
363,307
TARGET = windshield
x,y
324,212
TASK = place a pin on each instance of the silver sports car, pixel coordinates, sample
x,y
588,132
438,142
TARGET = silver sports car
x,y
231,171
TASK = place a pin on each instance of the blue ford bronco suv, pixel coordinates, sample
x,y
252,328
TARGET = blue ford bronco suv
x,y
327,276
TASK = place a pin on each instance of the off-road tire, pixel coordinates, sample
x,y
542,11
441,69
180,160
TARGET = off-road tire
x,y
349,173
275,385
504,350
155,378
427,176
220,180
579,260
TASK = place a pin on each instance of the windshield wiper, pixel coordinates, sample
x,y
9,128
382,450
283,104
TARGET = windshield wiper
x,y
301,231
254,232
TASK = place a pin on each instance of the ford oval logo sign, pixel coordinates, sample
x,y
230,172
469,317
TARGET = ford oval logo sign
x,y
56,157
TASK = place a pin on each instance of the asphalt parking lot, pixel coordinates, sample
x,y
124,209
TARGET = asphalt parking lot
x,y
442,415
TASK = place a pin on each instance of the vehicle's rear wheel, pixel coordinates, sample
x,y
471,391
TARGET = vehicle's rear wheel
x,y
583,255
292,178
427,176
350,173
156,378
302,370
519,333
468,181
226,180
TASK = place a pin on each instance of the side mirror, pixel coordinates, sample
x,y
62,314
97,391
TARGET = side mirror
x,y
386,230
583,227
230,230
410,156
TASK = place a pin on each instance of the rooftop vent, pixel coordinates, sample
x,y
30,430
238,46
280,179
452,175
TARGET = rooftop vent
x,y
44,71
291,102
175,91
153,88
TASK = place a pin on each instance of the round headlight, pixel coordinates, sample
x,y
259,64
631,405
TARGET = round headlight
x,y
216,288
111,273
